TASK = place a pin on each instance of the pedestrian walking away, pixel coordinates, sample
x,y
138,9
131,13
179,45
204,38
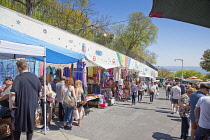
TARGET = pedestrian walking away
x,y
175,95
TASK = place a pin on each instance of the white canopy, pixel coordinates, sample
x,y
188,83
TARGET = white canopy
x,y
8,51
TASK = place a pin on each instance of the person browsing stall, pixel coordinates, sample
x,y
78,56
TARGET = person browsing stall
x,y
26,88
5,113
68,88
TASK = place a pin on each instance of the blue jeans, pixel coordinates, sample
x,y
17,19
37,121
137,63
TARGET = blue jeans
x,y
185,127
201,133
68,111
167,94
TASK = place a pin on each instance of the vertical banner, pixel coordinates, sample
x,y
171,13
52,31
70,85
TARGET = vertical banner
x,y
123,60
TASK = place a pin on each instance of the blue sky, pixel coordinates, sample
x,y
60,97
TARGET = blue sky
x,y
176,40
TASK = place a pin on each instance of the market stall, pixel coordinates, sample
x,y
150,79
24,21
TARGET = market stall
x,y
14,44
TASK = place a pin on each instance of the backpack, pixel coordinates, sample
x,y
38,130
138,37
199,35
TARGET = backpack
x,y
169,89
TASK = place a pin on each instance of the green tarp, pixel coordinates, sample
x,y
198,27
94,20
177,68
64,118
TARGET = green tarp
x,y
191,11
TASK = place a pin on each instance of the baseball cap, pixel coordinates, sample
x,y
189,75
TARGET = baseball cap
x,y
56,78
204,85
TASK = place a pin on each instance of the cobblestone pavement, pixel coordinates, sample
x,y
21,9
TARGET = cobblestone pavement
x,y
122,121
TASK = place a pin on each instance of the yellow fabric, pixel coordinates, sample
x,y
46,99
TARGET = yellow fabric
x,y
90,71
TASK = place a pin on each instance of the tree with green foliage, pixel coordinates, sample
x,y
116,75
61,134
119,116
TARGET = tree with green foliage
x,y
30,5
137,35
205,63
165,73
189,73
207,77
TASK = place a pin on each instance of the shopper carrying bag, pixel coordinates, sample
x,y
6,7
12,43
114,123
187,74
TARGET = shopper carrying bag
x,y
69,100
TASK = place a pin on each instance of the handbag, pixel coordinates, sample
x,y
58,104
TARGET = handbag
x,y
76,114
69,100
83,98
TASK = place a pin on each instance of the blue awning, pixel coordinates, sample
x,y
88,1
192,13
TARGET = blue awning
x,y
54,54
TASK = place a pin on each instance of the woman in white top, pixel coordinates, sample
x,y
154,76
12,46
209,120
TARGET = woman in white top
x,y
68,88
78,92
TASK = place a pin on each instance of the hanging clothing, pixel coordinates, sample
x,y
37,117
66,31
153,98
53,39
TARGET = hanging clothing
x,y
117,74
79,70
66,72
59,73
95,71
71,70
53,72
84,79
90,71
111,72
41,69
124,72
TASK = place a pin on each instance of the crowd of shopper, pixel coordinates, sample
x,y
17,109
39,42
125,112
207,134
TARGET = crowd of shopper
x,y
20,98
192,104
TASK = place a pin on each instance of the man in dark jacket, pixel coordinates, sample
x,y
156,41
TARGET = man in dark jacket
x,y
26,88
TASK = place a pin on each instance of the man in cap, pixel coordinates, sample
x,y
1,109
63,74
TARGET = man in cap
x,y
203,90
53,83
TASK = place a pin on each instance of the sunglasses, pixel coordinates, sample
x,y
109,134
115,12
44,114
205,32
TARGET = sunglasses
x,y
8,79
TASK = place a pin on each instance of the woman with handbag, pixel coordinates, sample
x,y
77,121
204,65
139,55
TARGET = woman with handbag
x,y
69,102
79,92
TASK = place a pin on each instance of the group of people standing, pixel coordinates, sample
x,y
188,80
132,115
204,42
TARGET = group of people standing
x,y
20,97
62,88
138,89
192,104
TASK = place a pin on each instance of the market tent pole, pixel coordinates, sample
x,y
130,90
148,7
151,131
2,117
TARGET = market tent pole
x,y
45,111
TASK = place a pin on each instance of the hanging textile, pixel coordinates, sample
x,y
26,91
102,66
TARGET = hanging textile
x,y
124,72
53,74
84,79
59,73
117,74
79,74
41,69
111,72
71,70
66,72
90,71
95,71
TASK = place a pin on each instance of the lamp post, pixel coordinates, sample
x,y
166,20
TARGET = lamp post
x,y
182,66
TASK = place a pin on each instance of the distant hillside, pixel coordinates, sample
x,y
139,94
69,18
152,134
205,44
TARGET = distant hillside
x,y
176,68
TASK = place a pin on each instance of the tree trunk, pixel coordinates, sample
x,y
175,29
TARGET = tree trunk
x,y
29,7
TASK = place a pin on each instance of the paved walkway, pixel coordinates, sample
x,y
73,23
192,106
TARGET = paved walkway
x,y
122,122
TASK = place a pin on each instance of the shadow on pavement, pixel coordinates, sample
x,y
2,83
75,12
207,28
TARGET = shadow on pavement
x,y
160,99
162,136
171,116
178,120
163,108
162,111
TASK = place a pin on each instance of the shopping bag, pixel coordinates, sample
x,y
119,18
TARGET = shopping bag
x,y
76,114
